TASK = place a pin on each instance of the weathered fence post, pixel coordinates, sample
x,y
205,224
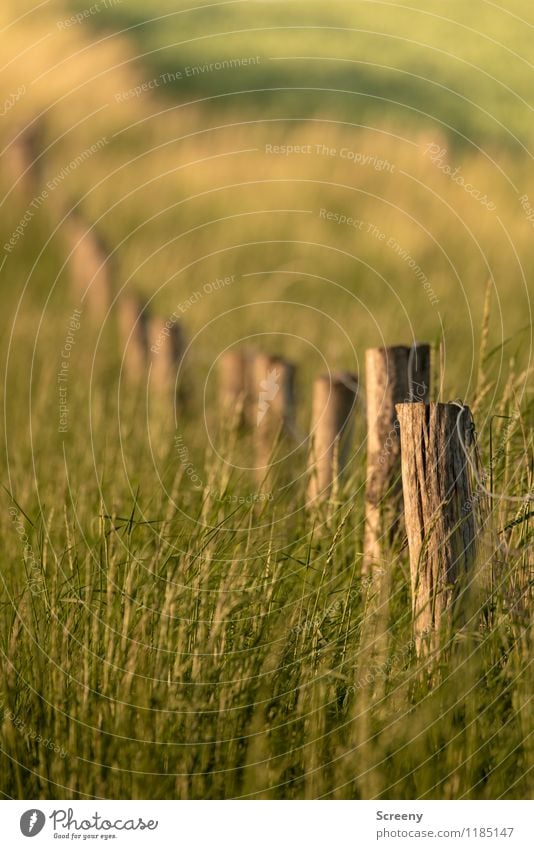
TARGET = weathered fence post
x,y
436,441
22,158
273,406
393,375
334,399
152,348
166,347
132,317
234,384
89,267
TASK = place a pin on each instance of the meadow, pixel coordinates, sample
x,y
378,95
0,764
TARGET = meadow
x,y
462,67
168,627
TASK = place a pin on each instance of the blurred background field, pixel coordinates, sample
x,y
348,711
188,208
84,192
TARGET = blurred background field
x,y
465,67
246,173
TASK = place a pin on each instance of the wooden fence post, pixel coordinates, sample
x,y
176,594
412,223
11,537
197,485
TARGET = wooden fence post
x,y
166,347
234,385
22,158
334,399
273,406
393,375
89,267
436,441
132,317
153,347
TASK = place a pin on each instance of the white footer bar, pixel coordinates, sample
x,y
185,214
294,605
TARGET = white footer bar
x,y
268,825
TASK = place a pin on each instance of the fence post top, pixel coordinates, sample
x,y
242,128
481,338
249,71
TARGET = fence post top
x,y
433,405
397,349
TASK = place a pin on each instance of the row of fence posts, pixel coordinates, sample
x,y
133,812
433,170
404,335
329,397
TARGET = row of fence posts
x,y
420,457
419,465
152,346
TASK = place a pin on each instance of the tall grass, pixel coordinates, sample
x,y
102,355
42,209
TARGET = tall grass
x,y
188,643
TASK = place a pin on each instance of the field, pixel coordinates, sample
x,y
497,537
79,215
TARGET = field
x,y
465,68
170,627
